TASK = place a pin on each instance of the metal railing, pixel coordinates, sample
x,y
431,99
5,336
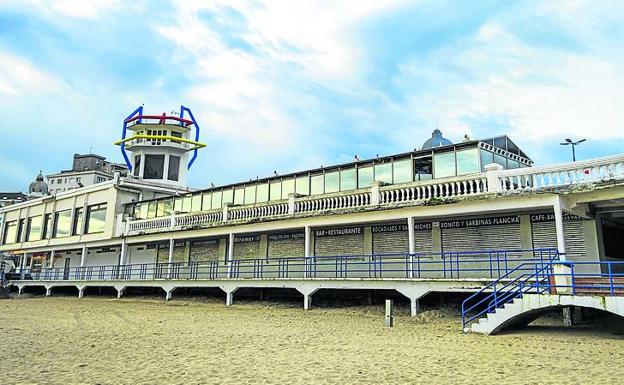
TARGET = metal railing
x,y
489,264
551,276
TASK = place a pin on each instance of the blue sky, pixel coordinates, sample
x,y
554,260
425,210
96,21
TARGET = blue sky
x,y
288,85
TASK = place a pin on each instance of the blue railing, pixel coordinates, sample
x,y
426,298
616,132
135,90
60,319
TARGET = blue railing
x,y
489,264
552,276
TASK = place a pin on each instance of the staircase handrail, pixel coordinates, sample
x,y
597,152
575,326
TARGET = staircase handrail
x,y
517,282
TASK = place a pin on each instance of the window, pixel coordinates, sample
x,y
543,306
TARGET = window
x,y
152,209
365,177
444,164
332,182
422,168
196,202
262,192
77,225
250,194
348,180
186,204
513,163
288,187
486,158
137,165
143,211
62,224
173,173
239,195
316,184
165,207
78,179
216,199
206,201
402,171
154,166
20,230
383,172
10,232
275,191
500,160
96,218
47,226
33,228
468,161
228,196
302,185
177,204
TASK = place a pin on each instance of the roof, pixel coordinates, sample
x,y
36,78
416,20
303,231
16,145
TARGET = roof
x,y
12,196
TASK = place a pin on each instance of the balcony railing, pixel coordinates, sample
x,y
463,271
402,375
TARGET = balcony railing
x,y
488,264
492,181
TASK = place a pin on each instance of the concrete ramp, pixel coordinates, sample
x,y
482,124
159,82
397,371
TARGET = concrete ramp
x,y
523,311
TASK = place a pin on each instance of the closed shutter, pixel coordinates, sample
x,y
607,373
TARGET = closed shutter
x,y
495,237
390,242
339,245
287,247
423,240
545,236
246,250
205,251
179,252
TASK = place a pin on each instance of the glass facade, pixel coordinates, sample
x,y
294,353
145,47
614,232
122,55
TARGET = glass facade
x,y
348,179
96,219
288,187
444,164
33,228
383,172
250,194
365,177
10,232
302,185
262,192
332,182
402,171
62,224
317,184
468,161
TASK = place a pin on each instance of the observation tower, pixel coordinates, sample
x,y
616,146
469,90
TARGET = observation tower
x,y
160,145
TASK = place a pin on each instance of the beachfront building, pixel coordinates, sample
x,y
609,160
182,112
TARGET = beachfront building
x,y
87,169
446,217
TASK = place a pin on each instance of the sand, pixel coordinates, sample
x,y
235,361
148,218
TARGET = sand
x,y
107,341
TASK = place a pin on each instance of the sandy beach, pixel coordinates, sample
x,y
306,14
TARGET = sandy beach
x,y
139,341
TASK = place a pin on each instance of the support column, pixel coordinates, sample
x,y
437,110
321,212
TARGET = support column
x,y
307,292
230,256
307,301
307,252
123,253
414,307
48,291
169,294
83,256
559,228
81,292
171,243
412,244
51,264
229,295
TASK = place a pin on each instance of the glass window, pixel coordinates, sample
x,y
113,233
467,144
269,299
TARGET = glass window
x,y
196,202
47,226
154,166
178,204
486,158
288,187
152,209
276,191
500,142
348,181
62,224
332,182
512,163
239,196
468,161
250,194
383,172
216,199
423,168
206,201
444,164
316,184
34,228
160,208
365,177
402,171
228,196
174,168
186,203
10,232
96,218
20,230
77,225
143,211
137,165
303,185
500,160
262,192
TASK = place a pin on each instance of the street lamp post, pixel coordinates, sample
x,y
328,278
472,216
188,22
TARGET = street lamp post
x,y
570,142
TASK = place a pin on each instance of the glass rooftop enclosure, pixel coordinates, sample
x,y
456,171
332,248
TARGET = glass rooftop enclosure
x,y
446,161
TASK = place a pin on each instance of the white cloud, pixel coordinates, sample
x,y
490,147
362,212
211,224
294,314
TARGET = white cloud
x,y
83,9
18,76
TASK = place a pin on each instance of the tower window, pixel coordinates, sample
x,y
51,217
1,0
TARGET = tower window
x,y
154,166
174,168
137,165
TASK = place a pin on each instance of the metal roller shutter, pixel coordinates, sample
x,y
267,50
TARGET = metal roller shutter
x,y
205,251
344,241
545,236
487,237
286,246
247,247
390,242
423,240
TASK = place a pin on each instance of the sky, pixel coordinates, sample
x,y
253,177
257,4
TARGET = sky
x,y
292,85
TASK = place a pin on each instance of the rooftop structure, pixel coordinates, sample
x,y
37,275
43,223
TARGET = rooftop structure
x,y
87,169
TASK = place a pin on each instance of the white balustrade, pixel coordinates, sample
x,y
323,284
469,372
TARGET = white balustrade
x,y
342,201
471,185
561,175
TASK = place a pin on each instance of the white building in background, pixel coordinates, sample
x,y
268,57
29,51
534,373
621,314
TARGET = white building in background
x,y
86,170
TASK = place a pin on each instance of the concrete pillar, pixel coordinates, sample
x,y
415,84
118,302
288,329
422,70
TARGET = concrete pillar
x,y
307,292
491,174
414,306
526,236
230,256
307,301
169,294
436,237
171,243
229,297
308,242
368,240
559,228
48,291
81,292
120,291
123,260
83,256
375,193
19,290
411,244
51,263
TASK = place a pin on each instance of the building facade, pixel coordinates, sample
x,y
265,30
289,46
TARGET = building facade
x,y
476,210
86,170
